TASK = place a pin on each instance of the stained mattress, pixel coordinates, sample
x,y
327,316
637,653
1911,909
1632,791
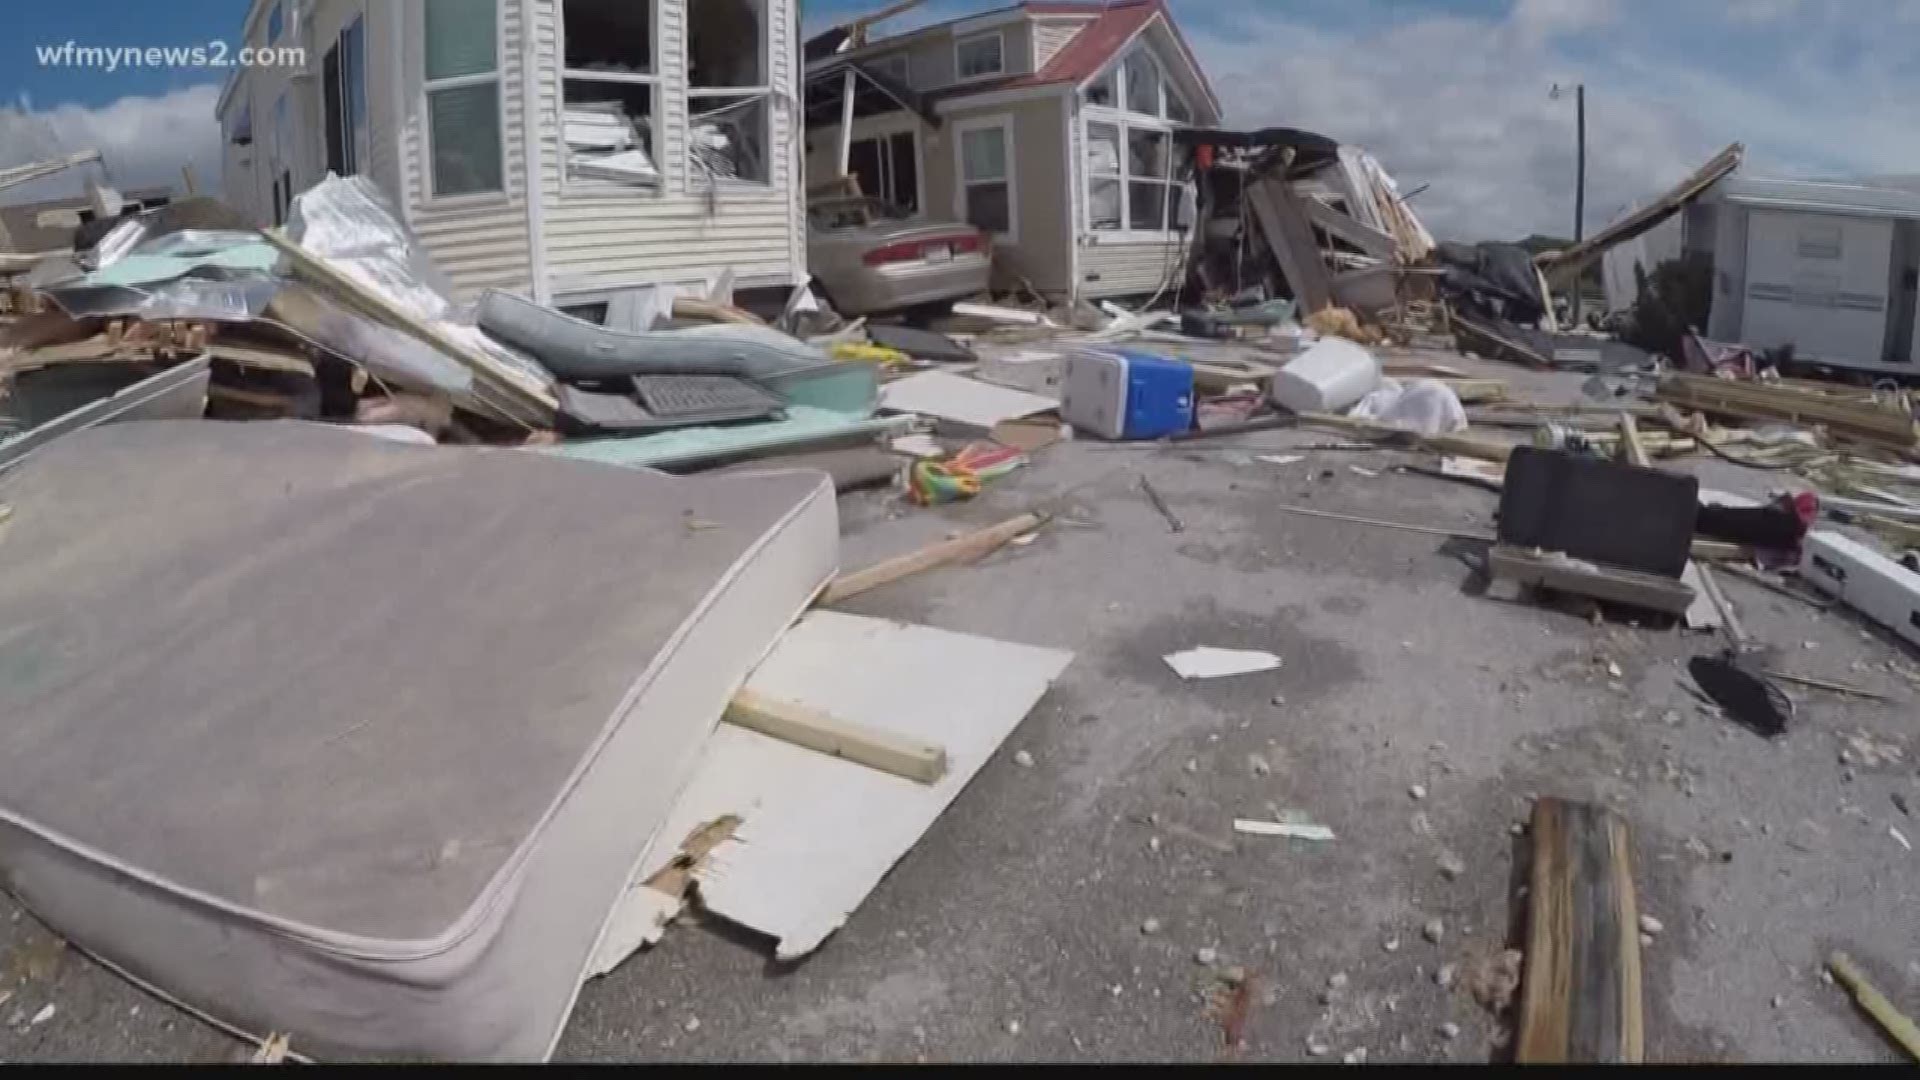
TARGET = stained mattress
x,y
359,741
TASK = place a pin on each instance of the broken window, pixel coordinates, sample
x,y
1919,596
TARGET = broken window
x,y
609,89
888,168
979,56
729,96
463,97
986,177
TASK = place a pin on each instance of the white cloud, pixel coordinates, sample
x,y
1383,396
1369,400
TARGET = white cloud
x,y
143,141
1538,20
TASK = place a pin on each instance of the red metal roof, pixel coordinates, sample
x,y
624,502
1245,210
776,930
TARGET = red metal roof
x,y
1114,24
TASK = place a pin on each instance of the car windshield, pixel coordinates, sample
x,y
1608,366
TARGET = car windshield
x,y
854,214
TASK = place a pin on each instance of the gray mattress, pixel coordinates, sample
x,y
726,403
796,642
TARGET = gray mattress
x,y
357,740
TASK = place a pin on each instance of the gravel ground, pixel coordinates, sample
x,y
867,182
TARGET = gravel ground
x,y
1095,905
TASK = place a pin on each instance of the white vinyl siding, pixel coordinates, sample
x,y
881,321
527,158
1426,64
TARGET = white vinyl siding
x,y
1052,35
479,241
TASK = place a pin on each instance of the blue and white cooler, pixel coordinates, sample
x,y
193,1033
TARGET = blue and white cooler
x,y
1127,394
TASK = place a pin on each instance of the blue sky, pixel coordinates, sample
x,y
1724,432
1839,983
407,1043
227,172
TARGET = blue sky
x,y
1451,93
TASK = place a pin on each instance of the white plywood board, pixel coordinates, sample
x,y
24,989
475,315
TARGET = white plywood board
x,y
818,832
961,400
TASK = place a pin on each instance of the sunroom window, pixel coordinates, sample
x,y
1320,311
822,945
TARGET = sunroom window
x,y
1130,112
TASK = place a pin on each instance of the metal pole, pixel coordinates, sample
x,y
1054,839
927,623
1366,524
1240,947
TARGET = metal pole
x,y
846,123
1579,191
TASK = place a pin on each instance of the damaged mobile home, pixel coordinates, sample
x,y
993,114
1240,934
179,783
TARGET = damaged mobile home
x,y
1050,125
571,150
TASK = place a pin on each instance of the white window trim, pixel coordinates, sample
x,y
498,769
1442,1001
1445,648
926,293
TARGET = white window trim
x,y
1002,123
571,185
697,180
1124,120
431,199
1000,35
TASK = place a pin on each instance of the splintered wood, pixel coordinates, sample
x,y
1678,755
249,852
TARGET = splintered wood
x,y
1580,998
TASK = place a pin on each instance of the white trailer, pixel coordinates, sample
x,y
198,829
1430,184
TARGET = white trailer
x,y
1830,269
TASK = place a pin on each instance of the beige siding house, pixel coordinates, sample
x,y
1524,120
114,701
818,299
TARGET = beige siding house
x,y
1047,123
570,150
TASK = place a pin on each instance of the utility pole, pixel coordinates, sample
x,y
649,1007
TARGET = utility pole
x,y
1579,184
1579,190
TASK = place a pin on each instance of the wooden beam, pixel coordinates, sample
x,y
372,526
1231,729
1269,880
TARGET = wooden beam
x,y
1631,451
1580,999
1651,591
971,546
1566,265
1369,240
1290,239
815,730
1896,1024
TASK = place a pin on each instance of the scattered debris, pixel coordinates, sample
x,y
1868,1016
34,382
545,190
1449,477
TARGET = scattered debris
x,y
1150,927
1899,837
1449,1030
1174,524
45,1014
1417,792
1207,662
1434,930
1451,865
1206,955
1023,759
1896,1024
1582,989
1494,980
1445,975
1256,827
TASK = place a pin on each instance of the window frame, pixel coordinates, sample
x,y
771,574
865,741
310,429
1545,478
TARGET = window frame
x,y
1126,122
593,185
432,199
698,179
960,42
884,134
1003,123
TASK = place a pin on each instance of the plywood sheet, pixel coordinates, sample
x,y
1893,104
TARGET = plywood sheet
x,y
818,833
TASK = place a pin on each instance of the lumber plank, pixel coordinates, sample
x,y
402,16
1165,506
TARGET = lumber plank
x,y
815,730
1290,238
1369,240
1897,1026
1631,450
1463,444
1651,591
1580,998
972,545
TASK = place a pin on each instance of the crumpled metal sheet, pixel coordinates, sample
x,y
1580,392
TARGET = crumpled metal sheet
x,y
348,222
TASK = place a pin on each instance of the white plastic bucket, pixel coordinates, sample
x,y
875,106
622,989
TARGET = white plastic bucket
x,y
1330,377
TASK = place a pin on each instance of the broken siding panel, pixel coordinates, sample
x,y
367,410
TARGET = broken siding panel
x,y
603,236
479,241
1127,269
1052,35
